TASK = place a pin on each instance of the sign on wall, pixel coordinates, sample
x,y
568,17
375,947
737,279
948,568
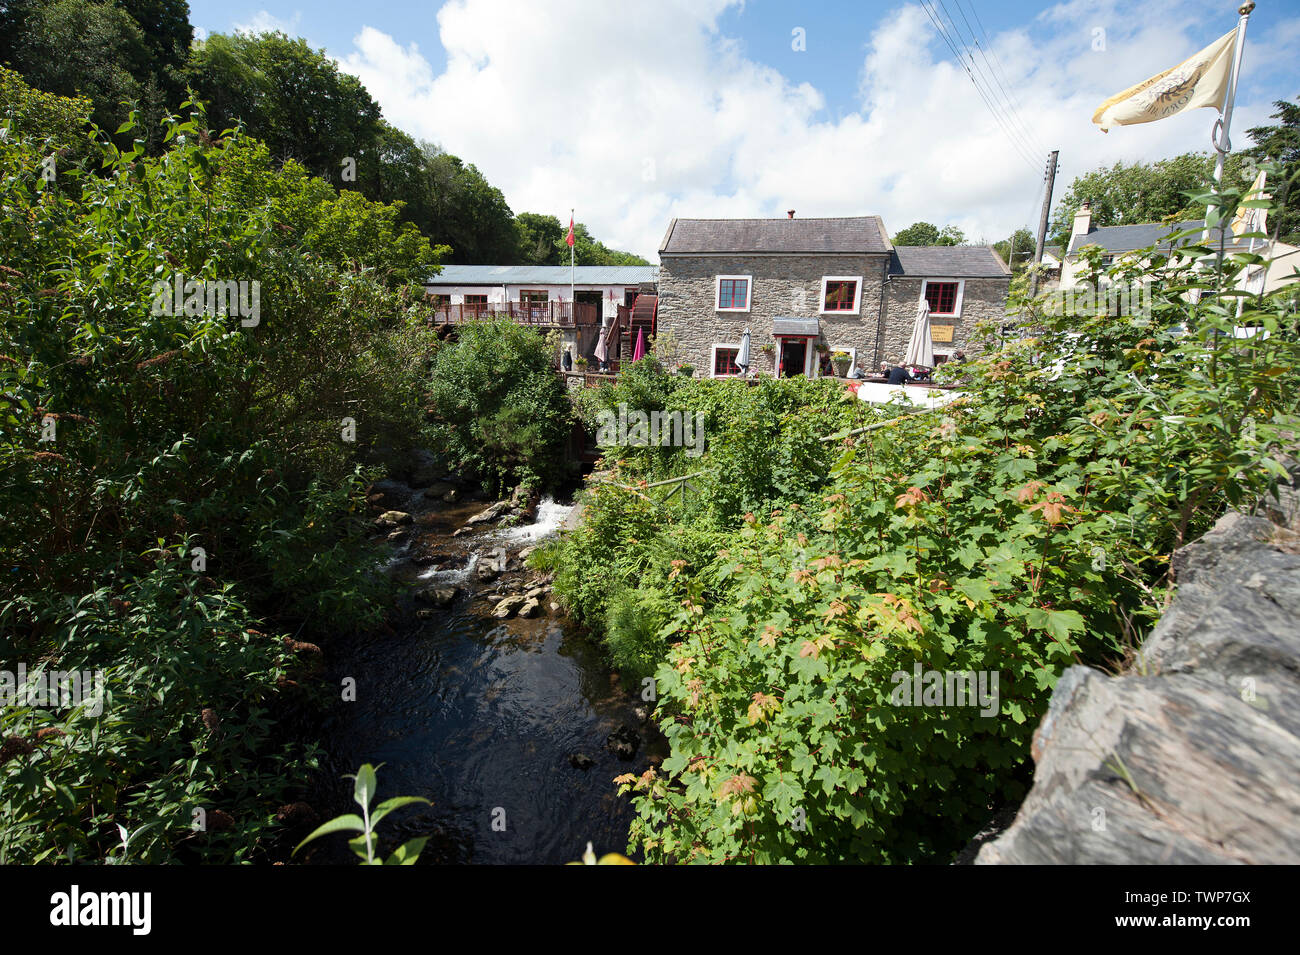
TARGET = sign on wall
x,y
941,333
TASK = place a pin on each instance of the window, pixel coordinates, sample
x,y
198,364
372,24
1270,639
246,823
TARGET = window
x,y
944,297
724,360
439,301
475,299
841,293
733,293
533,296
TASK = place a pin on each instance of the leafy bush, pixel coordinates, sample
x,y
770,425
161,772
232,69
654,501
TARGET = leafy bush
x,y
499,409
1012,534
185,723
173,476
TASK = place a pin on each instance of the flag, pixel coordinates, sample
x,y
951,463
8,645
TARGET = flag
x,y
1247,219
568,239
1200,80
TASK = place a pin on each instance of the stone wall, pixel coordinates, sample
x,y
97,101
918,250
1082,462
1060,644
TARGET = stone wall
x,y
984,298
783,285
1193,755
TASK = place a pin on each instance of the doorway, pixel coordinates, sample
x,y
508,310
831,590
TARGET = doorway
x,y
589,307
794,357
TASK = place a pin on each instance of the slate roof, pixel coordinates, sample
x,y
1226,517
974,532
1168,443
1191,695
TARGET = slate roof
x,y
543,275
1126,238
856,234
795,325
947,261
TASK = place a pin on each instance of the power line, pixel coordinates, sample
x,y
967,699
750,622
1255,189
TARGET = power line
x,y
1013,119
999,74
997,116
1026,153
1011,254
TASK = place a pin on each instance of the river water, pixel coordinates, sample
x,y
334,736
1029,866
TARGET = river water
x,y
481,716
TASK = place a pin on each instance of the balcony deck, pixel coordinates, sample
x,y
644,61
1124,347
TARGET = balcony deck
x,y
549,315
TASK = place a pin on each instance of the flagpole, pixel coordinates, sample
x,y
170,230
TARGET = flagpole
x,y
1219,136
573,296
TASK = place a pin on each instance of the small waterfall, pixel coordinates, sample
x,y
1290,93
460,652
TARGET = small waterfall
x,y
455,576
397,559
550,515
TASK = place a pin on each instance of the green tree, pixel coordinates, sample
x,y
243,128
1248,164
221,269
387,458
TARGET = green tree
x,y
91,49
110,51
499,411
1130,193
918,233
540,238
467,212
1018,250
1281,143
926,233
291,97
588,251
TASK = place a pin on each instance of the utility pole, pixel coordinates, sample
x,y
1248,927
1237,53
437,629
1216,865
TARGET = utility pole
x,y
1042,222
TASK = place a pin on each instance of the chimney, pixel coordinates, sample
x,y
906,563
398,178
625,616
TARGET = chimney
x,y
790,213
1082,220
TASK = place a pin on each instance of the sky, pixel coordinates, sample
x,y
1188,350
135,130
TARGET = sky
x,y
634,112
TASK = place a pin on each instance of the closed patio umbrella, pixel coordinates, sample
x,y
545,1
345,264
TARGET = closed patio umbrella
x,y
920,351
742,356
639,351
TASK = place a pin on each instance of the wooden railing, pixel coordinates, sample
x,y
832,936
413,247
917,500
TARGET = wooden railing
x,y
552,314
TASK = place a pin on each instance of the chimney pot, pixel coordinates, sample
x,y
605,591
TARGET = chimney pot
x,y
790,213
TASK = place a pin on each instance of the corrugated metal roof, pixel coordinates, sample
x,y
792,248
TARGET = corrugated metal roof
x,y
543,275
858,234
947,261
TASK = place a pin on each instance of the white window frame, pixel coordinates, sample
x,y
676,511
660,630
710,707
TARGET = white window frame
x,y
961,293
713,359
717,292
857,295
832,349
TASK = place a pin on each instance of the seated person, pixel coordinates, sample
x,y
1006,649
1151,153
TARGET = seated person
x,y
898,375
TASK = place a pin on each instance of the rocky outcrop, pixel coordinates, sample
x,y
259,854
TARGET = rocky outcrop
x,y
1193,755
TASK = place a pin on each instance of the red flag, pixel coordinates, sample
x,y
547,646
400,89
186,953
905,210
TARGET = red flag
x,y
568,239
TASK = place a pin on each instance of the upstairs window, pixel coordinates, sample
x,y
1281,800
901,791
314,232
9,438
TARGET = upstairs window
x,y
841,293
733,293
944,297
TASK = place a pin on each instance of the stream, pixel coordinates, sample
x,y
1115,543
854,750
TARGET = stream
x,y
489,719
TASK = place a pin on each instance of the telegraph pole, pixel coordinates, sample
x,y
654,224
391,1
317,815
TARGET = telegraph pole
x,y
1042,222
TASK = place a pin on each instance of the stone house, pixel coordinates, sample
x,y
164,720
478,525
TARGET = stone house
x,y
807,287
1119,243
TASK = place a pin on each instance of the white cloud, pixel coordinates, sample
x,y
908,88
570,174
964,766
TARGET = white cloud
x,y
637,114
265,22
